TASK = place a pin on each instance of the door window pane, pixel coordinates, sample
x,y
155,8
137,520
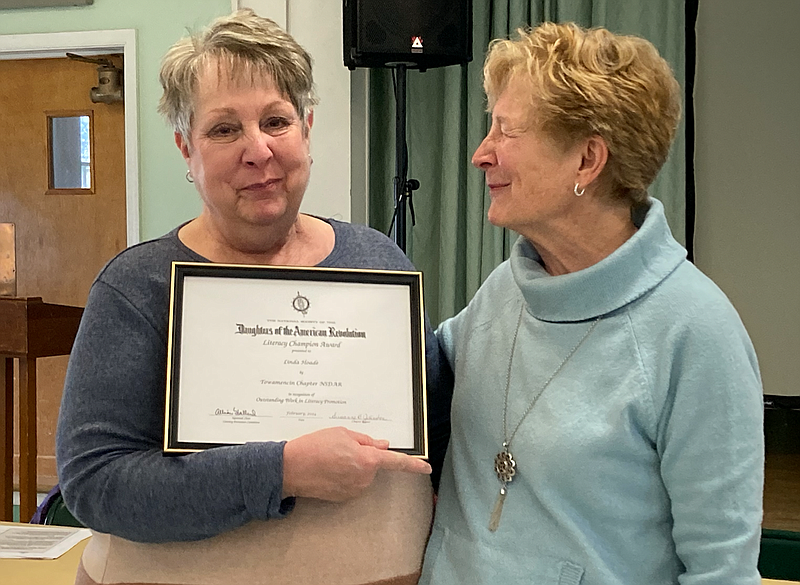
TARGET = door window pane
x,y
70,152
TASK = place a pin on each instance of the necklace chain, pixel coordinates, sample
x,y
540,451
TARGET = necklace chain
x,y
508,439
504,464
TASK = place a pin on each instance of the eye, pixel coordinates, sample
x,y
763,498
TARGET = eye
x,y
510,132
497,129
223,131
276,124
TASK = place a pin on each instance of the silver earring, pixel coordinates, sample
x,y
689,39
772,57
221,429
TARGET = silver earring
x,y
189,176
575,190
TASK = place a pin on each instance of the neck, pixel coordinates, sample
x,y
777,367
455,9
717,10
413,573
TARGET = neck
x,y
583,237
305,242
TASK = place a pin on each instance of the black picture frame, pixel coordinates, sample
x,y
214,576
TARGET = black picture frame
x,y
320,280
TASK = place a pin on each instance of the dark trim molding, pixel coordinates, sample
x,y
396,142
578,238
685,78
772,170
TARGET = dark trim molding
x,y
691,59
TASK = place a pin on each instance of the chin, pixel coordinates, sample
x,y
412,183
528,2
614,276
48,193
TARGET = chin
x,y
266,221
496,218
266,213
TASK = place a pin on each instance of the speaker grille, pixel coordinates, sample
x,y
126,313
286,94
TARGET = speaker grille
x,y
378,32
449,37
375,36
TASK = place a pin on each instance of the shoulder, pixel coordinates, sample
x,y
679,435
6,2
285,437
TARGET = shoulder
x,y
687,329
497,291
491,301
689,300
147,257
142,272
359,246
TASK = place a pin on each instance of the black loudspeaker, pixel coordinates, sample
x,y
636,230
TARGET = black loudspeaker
x,y
420,34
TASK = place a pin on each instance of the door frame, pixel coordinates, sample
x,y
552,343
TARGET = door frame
x,y
97,42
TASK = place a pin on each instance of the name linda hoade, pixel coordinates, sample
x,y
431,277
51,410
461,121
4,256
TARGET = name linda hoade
x,y
296,331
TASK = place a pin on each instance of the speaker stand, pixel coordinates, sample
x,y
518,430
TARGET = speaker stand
x,y
403,187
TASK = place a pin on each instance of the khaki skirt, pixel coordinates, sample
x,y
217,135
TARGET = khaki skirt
x,y
378,538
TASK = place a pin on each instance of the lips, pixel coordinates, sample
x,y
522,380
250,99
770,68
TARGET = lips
x,y
261,186
494,186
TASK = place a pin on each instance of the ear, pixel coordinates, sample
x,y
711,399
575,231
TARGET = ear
x,y
594,156
309,122
183,146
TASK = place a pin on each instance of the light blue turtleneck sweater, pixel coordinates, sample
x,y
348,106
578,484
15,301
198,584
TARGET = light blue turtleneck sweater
x,y
641,463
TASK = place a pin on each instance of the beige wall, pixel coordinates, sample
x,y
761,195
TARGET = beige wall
x,y
747,100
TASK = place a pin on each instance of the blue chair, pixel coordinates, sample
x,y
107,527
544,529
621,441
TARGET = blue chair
x,y
54,511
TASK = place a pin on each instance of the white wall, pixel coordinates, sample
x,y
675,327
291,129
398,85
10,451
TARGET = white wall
x,y
747,97
317,25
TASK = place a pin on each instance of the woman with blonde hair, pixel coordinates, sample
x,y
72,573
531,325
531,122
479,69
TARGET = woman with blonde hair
x,y
606,416
332,506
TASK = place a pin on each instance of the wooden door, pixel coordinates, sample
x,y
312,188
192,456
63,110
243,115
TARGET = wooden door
x,y
62,238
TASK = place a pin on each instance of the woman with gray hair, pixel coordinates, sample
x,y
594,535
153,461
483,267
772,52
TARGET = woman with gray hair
x,y
333,506
606,416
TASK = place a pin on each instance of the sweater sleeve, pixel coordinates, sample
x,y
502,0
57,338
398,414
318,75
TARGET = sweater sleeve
x,y
440,396
710,441
113,474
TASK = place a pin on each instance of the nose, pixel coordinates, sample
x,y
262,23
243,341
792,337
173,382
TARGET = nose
x,y
257,148
483,158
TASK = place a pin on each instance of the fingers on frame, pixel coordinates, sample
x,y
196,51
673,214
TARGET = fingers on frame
x,y
394,461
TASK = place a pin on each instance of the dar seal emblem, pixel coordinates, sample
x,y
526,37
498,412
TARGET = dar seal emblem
x,y
301,304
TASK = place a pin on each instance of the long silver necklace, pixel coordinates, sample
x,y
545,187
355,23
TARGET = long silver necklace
x,y
505,466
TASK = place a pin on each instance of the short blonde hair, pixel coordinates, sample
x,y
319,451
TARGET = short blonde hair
x,y
587,82
246,46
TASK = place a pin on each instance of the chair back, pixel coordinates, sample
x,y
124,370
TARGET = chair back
x,y
780,555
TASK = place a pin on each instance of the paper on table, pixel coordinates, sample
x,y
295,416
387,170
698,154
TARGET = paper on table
x,y
29,541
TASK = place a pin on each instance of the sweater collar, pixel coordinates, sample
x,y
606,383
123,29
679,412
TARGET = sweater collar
x,y
629,272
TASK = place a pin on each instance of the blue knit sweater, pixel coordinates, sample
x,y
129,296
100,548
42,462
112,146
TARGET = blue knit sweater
x,y
642,461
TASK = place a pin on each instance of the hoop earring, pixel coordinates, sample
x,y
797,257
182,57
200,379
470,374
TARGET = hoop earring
x,y
575,190
189,177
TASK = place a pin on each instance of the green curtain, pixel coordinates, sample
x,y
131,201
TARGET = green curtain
x,y
452,243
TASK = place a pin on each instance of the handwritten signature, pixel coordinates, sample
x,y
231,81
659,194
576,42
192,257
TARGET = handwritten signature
x,y
234,412
361,418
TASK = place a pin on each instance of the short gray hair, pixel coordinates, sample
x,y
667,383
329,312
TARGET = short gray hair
x,y
247,46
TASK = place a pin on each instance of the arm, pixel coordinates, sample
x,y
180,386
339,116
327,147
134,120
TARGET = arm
x,y
710,440
440,396
441,351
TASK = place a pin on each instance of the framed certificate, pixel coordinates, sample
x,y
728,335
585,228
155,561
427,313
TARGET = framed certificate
x,y
260,353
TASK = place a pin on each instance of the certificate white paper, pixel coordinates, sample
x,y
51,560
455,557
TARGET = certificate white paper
x,y
269,354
